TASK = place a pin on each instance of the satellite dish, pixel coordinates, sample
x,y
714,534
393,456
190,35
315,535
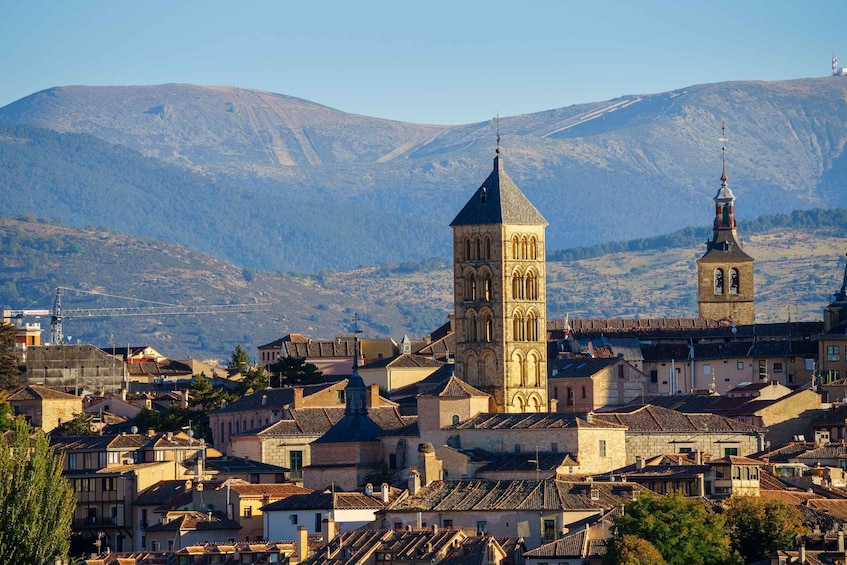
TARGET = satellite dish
x,y
134,429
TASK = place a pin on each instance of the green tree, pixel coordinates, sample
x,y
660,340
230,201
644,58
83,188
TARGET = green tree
x,y
78,426
206,395
36,501
632,550
10,371
239,359
7,414
251,381
681,529
756,528
289,371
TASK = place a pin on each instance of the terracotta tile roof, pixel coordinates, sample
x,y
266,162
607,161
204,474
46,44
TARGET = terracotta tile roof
x,y
573,545
480,495
290,338
264,489
526,461
197,521
651,418
835,451
579,368
357,546
527,421
684,328
273,398
160,492
304,421
38,392
454,388
405,361
321,500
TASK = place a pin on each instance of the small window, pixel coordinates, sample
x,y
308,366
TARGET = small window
x,y
455,419
293,519
248,511
448,524
740,365
727,451
654,375
602,448
833,353
707,370
517,448
777,367
482,528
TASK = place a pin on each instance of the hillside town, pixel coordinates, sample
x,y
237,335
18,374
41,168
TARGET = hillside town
x,y
501,437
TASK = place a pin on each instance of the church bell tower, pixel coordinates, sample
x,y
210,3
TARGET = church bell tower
x,y
725,271
499,295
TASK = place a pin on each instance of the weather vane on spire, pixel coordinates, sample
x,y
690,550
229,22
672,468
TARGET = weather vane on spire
x,y
723,141
497,123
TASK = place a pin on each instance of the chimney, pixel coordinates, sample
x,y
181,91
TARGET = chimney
x,y
414,482
373,396
264,400
151,432
302,543
639,462
369,489
298,397
384,492
328,529
554,405
802,552
701,485
123,394
429,466
183,400
698,457
840,541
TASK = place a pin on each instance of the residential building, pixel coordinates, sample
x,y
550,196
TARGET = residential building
x,y
44,407
581,384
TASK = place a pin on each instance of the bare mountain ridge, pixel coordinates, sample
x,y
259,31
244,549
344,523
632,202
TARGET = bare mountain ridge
x,y
631,167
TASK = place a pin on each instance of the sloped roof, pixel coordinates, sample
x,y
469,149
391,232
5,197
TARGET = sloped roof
x,y
651,418
526,461
454,388
581,367
38,392
498,201
192,520
232,464
326,501
535,420
573,545
480,495
405,361
273,398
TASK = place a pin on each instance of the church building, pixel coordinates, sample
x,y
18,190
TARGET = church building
x,y
499,295
725,271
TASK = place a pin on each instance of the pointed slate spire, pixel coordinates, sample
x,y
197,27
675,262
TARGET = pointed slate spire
x,y
499,201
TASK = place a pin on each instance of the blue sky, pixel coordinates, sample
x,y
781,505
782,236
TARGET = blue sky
x,y
444,62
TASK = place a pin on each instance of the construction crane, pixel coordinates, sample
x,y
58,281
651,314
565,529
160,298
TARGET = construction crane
x,y
58,314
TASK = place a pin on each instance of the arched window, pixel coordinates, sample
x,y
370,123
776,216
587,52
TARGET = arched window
x,y
517,327
518,403
455,419
515,247
733,281
531,327
470,287
531,286
470,327
523,249
517,286
487,247
488,325
718,281
467,249
478,246
533,249
486,286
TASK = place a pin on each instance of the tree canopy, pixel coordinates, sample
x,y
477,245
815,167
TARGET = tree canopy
x,y
756,528
632,550
37,502
680,529
287,371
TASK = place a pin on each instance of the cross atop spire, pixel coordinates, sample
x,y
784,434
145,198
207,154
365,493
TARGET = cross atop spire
x,y
497,123
723,141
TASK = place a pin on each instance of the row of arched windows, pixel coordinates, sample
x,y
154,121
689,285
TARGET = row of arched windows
x,y
477,289
524,287
477,248
524,247
479,328
525,329
720,281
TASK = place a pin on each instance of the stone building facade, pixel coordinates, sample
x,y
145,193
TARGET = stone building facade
x,y
725,271
499,295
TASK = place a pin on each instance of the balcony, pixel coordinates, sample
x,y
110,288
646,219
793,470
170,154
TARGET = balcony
x,y
95,522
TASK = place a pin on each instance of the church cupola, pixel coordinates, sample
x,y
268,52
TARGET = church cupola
x,y
355,392
725,272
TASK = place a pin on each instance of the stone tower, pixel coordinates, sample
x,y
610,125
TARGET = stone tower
x,y
725,271
499,295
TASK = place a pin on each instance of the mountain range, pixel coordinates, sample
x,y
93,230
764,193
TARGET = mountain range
x,y
277,183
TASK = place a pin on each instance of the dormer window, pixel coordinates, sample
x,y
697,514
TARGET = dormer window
x,y
482,195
